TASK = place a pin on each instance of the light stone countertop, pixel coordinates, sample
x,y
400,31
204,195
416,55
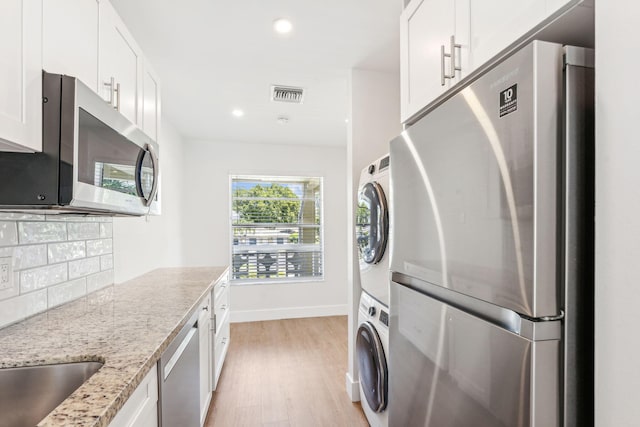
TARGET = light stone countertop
x,y
127,326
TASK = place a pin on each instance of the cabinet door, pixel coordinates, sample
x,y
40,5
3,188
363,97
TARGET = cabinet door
x,y
425,26
204,326
150,103
222,344
141,408
70,39
120,60
21,82
495,24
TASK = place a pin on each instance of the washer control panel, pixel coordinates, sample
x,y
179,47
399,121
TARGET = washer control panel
x,y
384,318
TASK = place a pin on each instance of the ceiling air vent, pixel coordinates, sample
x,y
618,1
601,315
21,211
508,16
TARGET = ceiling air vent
x,y
287,94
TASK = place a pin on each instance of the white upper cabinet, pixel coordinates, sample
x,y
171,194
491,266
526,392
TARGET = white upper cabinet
x,y
434,51
150,102
443,41
21,82
120,65
497,23
70,39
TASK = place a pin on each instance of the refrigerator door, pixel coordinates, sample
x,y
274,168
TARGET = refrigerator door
x,y
474,187
451,369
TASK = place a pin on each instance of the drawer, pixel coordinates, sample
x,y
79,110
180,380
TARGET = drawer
x,y
221,303
221,286
221,346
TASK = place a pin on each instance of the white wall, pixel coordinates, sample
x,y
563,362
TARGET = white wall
x,y
146,243
208,166
374,119
617,215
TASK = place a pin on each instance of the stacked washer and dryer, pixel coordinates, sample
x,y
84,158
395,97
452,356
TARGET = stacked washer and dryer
x,y
372,341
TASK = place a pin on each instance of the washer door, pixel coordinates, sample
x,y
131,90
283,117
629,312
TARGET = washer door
x,y
372,365
372,223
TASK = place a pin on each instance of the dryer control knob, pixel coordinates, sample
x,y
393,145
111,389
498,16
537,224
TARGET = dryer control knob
x,y
372,311
371,169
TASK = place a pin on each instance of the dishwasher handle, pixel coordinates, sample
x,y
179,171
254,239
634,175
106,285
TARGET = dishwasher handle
x,y
176,356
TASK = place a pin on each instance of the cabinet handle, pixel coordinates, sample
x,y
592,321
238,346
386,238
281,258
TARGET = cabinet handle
x,y
452,61
215,324
205,308
111,84
117,90
442,74
454,67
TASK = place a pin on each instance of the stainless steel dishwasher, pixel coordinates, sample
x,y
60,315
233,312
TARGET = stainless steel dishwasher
x,y
179,376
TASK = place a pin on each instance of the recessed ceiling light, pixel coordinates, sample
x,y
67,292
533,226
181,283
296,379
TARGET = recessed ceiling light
x,y
237,112
282,26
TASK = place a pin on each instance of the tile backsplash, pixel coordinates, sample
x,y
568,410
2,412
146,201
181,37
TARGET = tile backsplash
x,y
53,259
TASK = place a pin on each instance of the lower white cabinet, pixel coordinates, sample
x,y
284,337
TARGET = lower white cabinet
x,y
222,335
204,340
141,409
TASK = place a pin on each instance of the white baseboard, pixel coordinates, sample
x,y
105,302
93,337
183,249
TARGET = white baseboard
x,y
288,313
353,388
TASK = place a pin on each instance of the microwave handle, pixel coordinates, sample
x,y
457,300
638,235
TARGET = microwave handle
x,y
156,174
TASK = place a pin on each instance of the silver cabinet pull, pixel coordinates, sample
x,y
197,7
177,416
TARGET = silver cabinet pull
x,y
442,75
117,90
454,67
111,84
452,61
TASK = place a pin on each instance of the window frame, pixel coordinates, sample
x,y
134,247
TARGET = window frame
x,y
276,178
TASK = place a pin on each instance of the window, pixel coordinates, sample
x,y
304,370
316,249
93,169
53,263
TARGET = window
x,y
276,229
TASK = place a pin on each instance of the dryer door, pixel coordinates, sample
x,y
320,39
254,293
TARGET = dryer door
x,y
373,367
372,223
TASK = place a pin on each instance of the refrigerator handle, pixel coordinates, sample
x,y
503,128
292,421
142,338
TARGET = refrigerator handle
x,y
540,329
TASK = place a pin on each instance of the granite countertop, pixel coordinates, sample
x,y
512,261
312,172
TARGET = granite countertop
x,y
126,326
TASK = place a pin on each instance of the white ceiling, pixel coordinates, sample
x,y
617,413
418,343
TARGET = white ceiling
x,y
213,56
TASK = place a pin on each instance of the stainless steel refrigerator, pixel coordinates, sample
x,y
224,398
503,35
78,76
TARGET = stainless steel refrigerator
x,y
492,212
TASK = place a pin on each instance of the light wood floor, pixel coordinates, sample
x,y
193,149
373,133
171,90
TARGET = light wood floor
x,y
286,373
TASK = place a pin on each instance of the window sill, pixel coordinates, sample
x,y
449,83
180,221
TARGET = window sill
x,y
277,282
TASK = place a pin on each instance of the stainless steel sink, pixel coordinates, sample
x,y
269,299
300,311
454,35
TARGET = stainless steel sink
x,y
28,394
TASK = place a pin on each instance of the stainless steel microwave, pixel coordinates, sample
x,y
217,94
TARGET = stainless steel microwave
x,y
93,159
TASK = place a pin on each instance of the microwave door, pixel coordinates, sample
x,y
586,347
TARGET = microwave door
x,y
106,167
